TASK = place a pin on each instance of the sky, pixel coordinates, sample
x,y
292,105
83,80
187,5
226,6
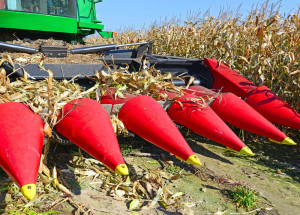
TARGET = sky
x,y
118,15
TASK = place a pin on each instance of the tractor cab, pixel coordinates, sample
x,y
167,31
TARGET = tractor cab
x,y
62,19
64,8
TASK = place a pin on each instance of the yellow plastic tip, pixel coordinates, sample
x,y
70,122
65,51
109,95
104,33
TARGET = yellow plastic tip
x,y
29,191
245,151
286,141
122,169
193,159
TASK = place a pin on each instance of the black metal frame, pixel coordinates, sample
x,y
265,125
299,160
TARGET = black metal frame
x,y
177,66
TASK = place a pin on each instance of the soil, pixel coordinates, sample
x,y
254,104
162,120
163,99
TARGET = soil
x,y
205,187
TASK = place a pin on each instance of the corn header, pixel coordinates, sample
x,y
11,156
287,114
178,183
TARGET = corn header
x,y
208,94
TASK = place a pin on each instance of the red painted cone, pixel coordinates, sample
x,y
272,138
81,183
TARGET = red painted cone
x,y
111,98
273,108
170,95
204,121
201,91
228,80
21,143
262,99
145,117
89,127
237,112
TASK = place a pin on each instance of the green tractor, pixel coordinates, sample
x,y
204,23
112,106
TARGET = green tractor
x,y
69,20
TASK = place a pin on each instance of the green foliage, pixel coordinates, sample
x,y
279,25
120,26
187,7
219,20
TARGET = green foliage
x,y
173,169
244,197
128,148
30,212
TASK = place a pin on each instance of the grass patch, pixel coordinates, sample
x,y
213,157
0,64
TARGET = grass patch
x,y
30,212
128,149
244,197
173,169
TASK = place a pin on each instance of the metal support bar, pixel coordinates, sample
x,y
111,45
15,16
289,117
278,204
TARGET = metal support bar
x,y
18,48
101,48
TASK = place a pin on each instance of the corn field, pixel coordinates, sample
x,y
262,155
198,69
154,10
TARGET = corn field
x,y
263,45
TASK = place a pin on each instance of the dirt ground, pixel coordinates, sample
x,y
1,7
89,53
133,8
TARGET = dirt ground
x,y
274,173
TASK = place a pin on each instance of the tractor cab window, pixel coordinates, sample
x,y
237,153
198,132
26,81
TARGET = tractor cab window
x,y
64,8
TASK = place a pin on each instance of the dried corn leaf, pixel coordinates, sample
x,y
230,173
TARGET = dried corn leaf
x,y
134,204
47,129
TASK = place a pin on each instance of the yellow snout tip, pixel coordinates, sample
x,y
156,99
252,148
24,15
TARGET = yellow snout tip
x,y
286,141
245,151
29,191
122,169
193,159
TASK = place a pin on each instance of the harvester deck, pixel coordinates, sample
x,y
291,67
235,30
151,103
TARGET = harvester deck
x,y
213,93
